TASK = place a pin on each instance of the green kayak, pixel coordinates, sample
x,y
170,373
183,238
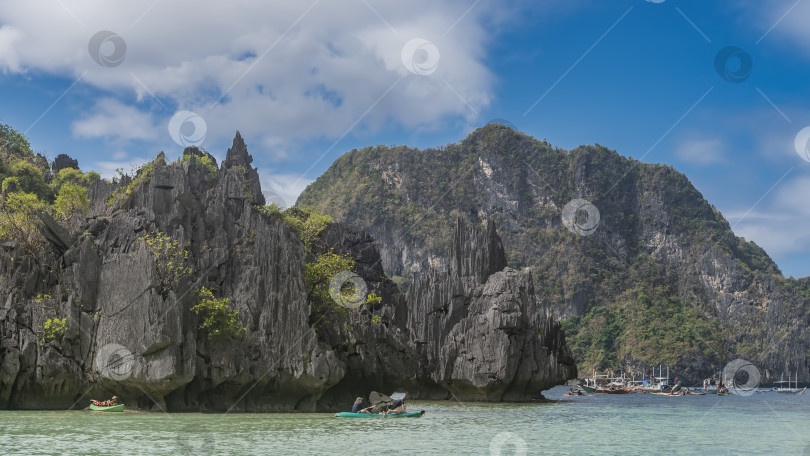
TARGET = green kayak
x,y
414,414
114,408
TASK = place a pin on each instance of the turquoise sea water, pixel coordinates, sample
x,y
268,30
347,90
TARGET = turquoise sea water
x,y
769,423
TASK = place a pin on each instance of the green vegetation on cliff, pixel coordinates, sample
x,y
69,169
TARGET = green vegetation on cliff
x,y
29,188
308,224
218,319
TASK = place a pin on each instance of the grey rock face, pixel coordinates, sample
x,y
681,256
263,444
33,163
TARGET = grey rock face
x,y
129,337
63,161
477,330
378,354
239,159
128,334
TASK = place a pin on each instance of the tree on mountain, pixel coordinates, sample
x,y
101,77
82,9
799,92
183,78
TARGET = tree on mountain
x,y
12,141
71,200
31,179
18,220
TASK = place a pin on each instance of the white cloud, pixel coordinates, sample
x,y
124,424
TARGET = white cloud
x,y
701,151
287,186
274,67
112,119
779,20
780,226
763,130
9,57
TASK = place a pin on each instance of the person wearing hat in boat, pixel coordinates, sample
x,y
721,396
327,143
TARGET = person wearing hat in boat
x,y
109,403
358,406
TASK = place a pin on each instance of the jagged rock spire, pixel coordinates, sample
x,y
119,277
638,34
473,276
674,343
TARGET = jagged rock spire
x,y
475,253
63,161
238,156
238,153
482,318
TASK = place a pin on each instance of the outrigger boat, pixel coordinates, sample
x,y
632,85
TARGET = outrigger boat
x,y
712,385
613,389
609,384
605,384
587,388
590,385
681,392
661,383
789,390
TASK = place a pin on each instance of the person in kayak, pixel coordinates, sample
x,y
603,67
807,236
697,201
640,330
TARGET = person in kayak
x,y
109,403
396,407
358,405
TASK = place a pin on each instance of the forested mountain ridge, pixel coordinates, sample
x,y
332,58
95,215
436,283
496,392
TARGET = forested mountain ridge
x,y
660,279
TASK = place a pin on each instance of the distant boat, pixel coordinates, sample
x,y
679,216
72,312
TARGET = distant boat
x,y
782,389
605,384
587,389
593,384
612,391
679,393
609,384
658,384
661,385
712,384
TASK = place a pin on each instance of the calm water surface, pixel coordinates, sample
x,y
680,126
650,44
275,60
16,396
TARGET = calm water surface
x,y
602,424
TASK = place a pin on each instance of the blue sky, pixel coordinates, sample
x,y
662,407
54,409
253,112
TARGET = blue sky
x,y
307,81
